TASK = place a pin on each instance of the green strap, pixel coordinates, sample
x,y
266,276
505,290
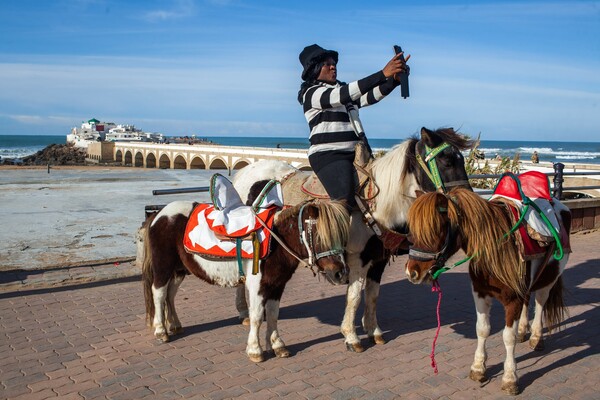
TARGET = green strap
x,y
559,253
238,253
444,269
430,166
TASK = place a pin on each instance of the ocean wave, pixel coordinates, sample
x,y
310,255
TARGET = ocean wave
x,y
19,152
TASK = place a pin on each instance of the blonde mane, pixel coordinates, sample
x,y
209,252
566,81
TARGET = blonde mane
x,y
333,222
481,224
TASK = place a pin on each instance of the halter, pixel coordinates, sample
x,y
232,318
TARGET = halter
x,y
306,238
430,167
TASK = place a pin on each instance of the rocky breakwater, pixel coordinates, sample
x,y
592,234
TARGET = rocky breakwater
x,y
54,154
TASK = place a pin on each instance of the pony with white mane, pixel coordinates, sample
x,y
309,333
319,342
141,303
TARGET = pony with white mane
x,y
394,179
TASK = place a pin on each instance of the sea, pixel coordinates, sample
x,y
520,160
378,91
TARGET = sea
x,y
18,146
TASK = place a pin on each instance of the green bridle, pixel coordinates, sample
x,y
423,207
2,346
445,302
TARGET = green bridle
x,y
430,167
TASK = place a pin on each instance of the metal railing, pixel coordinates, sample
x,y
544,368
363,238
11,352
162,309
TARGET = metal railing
x,y
558,179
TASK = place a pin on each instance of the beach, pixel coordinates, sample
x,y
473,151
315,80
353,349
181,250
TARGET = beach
x,y
75,215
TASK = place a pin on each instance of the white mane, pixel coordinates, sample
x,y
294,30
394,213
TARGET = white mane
x,y
395,194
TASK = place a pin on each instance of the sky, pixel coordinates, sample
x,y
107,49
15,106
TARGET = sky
x,y
505,70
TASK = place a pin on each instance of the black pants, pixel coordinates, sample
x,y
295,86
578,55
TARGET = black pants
x,y
336,172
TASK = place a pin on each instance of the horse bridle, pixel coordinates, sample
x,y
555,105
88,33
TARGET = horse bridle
x,y
306,238
429,165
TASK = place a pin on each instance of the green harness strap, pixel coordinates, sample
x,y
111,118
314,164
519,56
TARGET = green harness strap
x,y
430,166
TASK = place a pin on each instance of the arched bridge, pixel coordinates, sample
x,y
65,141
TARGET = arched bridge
x,y
194,156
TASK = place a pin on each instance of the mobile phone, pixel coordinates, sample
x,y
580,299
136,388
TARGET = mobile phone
x,y
403,76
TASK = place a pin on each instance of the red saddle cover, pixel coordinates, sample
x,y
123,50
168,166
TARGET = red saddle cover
x,y
203,237
534,184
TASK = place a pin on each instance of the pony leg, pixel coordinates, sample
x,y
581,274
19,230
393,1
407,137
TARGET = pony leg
x,y
509,335
483,306
523,322
159,296
357,277
242,305
172,319
536,340
369,320
256,312
274,341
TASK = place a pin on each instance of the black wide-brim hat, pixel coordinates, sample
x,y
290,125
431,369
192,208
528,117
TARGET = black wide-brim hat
x,y
313,54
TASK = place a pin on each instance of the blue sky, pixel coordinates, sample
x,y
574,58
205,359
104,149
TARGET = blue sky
x,y
522,70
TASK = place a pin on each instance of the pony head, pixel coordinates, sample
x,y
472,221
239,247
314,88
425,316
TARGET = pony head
x,y
323,231
433,223
441,163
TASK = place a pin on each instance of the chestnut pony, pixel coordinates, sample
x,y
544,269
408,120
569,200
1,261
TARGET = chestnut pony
x,y
441,224
166,263
397,175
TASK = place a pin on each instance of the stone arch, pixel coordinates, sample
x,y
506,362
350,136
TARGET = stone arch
x,y
164,162
119,156
139,159
197,163
150,160
218,163
240,164
179,162
128,158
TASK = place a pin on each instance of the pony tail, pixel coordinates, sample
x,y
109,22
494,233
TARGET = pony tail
x,y
147,270
555,310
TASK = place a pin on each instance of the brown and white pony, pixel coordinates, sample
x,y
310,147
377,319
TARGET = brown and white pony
x,y
166,263
398,176
441,224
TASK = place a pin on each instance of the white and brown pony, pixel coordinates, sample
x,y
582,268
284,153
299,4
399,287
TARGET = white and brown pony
x,y
441,224
397,176
166,263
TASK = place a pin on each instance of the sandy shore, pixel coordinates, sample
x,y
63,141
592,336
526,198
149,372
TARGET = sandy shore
x,y
74,215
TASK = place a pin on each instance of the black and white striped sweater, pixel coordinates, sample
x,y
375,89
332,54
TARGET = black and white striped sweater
x,y
327,108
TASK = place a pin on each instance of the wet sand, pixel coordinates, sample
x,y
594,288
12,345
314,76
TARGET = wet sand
x,y
77,215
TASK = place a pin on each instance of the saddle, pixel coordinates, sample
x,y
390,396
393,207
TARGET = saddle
x,y
313,187
229,229
535,214
366,191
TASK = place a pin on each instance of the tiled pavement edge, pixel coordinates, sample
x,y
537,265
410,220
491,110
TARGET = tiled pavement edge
x,y
87,339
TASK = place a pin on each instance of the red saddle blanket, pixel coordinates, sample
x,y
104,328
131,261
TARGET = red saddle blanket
x,y
533,184
215,229
205,235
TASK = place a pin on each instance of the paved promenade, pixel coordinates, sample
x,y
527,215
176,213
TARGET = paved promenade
x,y
79,333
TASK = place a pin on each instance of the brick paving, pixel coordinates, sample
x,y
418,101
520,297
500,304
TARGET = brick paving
x,y
70,337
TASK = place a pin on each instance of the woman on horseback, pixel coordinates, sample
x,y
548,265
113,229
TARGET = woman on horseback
x,y
331,109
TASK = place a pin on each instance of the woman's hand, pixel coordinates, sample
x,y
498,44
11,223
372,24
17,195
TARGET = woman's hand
x,y
396,66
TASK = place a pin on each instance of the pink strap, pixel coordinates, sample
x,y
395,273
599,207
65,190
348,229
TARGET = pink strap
x,y
436,288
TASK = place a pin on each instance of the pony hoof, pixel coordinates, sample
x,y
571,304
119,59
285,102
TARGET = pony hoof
x,y
282,352
162,338
377,339
477,376
256,358
521,338
245,321
176,331
510,388
355,347
537,345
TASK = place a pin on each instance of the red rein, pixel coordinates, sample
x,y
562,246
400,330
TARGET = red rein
x,y
436,288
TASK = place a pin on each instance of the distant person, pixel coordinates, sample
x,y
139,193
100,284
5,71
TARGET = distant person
x,y
535,158
331,110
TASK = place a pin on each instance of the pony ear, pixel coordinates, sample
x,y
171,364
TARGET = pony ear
x,y
426,137
419,193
